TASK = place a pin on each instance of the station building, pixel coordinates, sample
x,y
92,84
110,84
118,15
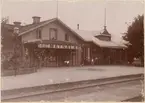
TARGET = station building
x,y
50,43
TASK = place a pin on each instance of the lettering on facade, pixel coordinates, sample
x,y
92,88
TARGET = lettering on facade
x,y
61,46
57,46
54,46
65,46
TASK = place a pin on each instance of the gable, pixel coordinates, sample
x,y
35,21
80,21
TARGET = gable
x,y
61,32
28,28
32,27
45,33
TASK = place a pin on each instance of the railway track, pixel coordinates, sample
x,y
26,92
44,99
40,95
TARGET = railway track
x,y
138,98
64,87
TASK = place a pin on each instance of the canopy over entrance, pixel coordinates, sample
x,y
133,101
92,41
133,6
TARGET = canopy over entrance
x,y
52,52
55,44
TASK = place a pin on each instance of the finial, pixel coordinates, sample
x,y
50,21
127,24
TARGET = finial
x,y
105,19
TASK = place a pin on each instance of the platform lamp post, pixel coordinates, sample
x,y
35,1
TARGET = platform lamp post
x,y
16,49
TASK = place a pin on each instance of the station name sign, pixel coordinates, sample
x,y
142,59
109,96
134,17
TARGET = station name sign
x,y
57,46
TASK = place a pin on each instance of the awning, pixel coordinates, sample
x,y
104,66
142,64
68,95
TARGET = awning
x,y
52,44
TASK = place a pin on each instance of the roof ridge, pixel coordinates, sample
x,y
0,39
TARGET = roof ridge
x,y
87,30
39,22
33,26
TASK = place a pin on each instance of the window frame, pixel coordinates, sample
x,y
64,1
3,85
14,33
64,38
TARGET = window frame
x,y
56,31
39,33
66,37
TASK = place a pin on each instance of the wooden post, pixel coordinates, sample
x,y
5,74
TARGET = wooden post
x,y
29,57
126,56
120,57
72,57
75,57
56,61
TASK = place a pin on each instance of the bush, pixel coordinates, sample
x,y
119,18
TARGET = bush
x,y
5,64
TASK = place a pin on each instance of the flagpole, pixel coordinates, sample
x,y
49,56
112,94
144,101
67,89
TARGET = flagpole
x,y
105,18
56,8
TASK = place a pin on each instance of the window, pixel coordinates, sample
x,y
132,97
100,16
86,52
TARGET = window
x,y
66,37
38,34
53,34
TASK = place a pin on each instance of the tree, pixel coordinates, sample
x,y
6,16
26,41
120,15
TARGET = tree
x,y
135,35
4,20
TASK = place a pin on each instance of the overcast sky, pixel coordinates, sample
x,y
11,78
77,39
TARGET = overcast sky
x,y
88,13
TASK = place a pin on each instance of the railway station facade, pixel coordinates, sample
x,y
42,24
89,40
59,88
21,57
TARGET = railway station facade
x,y
51,43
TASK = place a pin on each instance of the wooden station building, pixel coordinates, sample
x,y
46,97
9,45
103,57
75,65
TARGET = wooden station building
x,y
52,43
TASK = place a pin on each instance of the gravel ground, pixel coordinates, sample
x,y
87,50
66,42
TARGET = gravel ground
x,y
114,92
47,76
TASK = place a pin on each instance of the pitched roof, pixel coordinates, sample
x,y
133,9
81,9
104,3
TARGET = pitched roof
x,y
107,44
86,35
105,31
32,27
90,36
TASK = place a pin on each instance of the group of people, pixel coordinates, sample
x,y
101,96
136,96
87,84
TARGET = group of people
x,y
91,61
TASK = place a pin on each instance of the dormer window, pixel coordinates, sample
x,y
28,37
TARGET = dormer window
x,y
39,35
53,34
66,37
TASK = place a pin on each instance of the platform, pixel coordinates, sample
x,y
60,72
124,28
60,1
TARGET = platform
x,y
46,76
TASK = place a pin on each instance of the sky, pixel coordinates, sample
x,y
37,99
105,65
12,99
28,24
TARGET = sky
x,y
89,14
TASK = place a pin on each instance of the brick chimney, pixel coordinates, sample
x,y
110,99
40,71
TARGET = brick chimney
x,y
78,26
17,24
36,19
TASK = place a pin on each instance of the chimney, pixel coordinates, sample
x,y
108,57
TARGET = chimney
x,y
17,24
78,26
36,19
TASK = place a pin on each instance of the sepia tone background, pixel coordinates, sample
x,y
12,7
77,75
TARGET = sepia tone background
x,y
88,13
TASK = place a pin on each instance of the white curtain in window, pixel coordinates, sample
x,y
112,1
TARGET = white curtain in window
x,y
53,34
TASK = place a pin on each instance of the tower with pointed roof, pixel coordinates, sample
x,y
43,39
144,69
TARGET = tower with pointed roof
x,y
104,35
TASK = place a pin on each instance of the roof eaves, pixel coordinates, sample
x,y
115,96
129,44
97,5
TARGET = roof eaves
x,y
123,46
71,30
117,46
95,42
49,22
36,27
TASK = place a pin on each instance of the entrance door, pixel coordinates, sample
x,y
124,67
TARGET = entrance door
x,y
63,56
52,58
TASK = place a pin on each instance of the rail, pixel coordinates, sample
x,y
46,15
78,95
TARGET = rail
x,y
55,88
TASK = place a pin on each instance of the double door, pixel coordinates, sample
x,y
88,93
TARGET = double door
x,y
58,58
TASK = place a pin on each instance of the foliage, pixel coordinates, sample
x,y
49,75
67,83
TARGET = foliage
x,y
135,35
4,20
